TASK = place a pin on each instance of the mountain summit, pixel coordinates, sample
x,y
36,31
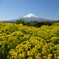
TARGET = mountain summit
x,y
30,15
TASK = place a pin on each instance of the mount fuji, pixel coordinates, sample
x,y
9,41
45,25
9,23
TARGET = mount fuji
x,y
29,17
32,17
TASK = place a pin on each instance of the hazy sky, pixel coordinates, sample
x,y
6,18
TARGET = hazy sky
x,y
14,9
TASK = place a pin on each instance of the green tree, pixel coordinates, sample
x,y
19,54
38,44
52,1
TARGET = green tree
x,y
21,21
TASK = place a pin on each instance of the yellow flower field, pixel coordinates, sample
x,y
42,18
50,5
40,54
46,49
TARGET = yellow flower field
x,y
18,41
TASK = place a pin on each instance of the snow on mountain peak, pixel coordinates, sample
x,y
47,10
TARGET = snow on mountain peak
x,y
30,15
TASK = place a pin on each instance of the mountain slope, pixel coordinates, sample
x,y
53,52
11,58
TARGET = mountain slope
x,y
32,17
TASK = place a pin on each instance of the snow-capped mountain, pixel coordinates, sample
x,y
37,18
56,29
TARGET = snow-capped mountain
x,y
29,17
32,17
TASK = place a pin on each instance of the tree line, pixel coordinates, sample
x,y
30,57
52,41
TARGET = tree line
x,y
34,23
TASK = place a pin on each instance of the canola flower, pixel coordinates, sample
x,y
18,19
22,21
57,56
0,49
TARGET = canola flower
x,y
28,42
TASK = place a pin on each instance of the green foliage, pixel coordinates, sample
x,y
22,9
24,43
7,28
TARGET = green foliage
x,y
20,21
33,23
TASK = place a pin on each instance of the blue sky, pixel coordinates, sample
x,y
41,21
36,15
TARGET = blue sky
x,y
14,9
